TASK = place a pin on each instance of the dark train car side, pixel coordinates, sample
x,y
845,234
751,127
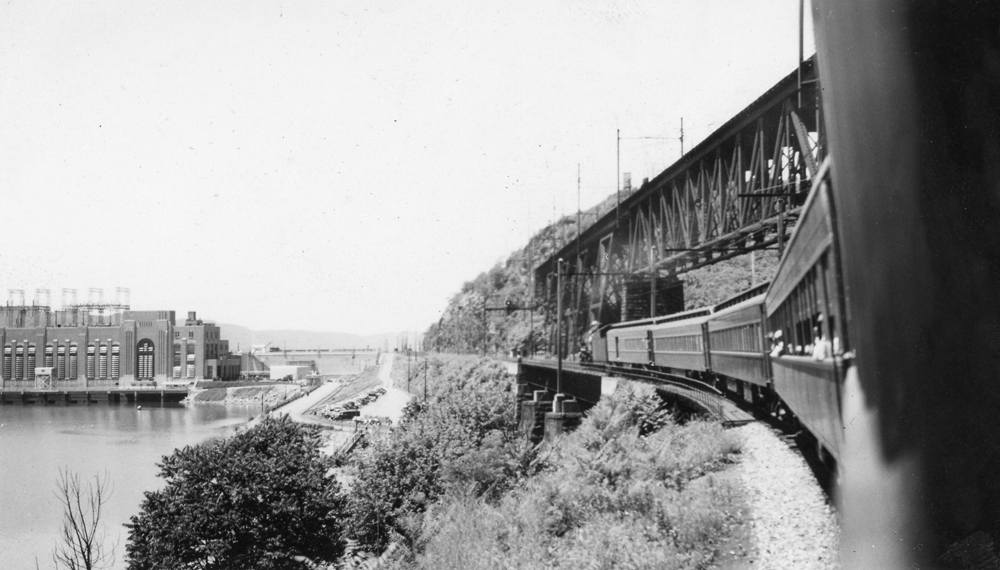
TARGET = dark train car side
x,y
803,305
736,344
679,341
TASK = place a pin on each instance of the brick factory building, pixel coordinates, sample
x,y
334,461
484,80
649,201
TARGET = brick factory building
x,y
118,348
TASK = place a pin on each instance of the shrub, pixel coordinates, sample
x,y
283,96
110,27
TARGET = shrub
x,y
614,494
460,438
258,499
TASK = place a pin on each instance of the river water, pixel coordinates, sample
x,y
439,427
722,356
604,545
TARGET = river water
x,y
126,442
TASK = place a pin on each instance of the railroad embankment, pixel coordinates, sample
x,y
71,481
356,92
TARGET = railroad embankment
x,y
455,487
264,395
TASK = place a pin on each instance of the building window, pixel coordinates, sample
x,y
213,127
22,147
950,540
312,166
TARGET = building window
x,y
190,366
48,357
19,363
115,361
61,362
145,364
31,362
177,335
7,362
91,361
73,372
177,358
190,334
102,362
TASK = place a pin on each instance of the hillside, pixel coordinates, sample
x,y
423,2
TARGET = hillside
x,y
461,326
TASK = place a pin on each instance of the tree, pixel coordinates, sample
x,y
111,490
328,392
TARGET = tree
x,y
435,445
83,542
259,499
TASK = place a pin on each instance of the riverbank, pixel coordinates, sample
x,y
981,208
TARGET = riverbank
x,y
266,396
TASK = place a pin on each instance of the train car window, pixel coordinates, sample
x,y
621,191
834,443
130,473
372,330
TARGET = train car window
x,y
799,317
744,338
683,343
819,295
833,308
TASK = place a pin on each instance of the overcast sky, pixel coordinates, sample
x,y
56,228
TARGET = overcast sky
x,y
341,165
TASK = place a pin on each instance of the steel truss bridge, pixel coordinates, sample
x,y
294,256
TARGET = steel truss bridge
x,y
737,191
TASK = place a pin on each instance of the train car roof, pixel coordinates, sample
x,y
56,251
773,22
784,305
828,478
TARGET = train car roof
x,y
743,296
704,311
755,300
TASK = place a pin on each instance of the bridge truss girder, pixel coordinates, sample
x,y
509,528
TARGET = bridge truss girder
x,y
738,191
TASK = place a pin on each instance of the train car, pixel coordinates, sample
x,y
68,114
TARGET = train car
x,y
736,341
628,342
910,92
803,304
599,344
679,341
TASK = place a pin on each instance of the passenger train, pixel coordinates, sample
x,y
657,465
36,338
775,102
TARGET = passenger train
x,y
780,344
896,263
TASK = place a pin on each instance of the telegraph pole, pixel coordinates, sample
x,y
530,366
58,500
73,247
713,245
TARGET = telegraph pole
x,y
531,317
559,331
579,226
618,176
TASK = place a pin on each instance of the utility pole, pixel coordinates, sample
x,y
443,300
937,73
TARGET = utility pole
x,y
531,317
682,137
579,226
618,176
559,319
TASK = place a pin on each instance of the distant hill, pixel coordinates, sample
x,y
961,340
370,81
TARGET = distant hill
x,y
244,338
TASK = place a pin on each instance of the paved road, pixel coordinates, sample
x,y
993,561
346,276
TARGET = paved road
x,y
389,405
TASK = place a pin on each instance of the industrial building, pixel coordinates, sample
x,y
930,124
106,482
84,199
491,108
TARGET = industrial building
x,y
108,344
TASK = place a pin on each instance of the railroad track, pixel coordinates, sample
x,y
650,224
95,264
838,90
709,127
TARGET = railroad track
x,y
714,403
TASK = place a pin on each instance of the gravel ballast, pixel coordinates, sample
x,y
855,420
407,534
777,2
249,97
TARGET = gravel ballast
x,y
792,525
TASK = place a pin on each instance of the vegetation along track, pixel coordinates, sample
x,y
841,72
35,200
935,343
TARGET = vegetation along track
x,y
700,397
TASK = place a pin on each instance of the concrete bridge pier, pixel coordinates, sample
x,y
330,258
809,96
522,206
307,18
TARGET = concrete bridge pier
x,y
565,416
532,420
540,412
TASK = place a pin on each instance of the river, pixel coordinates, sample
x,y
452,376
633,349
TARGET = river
x,y
126,442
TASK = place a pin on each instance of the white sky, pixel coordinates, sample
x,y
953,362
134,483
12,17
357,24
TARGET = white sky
x,y
341,165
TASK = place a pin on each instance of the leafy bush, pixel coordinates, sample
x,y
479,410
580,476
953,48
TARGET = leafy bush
x,y
258,499
615,493
462,437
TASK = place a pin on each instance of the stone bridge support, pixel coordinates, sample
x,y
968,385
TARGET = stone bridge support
x,y
541,412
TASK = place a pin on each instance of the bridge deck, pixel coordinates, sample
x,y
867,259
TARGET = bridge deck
x,y
714,404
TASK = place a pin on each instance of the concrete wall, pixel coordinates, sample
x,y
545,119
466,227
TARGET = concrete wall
x,y
327,362
296,372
